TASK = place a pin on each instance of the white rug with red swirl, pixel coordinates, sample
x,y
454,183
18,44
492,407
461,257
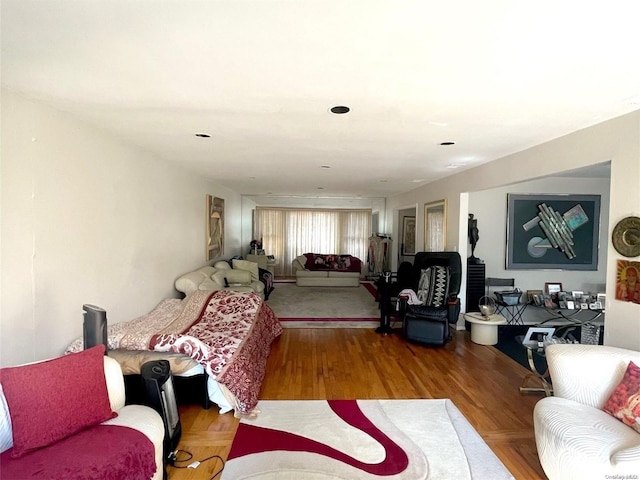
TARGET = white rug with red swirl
x,y
360,439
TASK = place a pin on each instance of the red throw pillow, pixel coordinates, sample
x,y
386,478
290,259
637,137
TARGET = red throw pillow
x,y
624,402
51,400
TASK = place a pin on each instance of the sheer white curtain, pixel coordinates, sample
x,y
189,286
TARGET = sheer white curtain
x,y
435,231
287,233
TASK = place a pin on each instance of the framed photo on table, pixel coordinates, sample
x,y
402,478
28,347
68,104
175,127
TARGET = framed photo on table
x,y
552,288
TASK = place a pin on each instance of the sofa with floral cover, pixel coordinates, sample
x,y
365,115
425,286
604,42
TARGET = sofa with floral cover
x,y
321,270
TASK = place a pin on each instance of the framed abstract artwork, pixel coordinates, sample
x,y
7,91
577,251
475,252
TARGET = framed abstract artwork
x,y
552,232
215,227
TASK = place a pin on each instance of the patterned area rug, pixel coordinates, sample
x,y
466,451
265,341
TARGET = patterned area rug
x,y
325,307
360,440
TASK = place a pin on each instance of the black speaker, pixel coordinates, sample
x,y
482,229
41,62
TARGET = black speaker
x,y
94,327
158,383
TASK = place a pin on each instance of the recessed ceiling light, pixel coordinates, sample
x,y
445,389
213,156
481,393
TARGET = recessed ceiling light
x,y
447,143
339,109
455,165
203,135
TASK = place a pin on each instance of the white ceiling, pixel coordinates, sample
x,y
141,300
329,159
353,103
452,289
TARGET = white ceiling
x,y
495,77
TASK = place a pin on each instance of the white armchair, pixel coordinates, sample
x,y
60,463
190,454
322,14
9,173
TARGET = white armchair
x,y
575,438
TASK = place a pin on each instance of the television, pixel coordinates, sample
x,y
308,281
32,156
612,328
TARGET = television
x,y
94,327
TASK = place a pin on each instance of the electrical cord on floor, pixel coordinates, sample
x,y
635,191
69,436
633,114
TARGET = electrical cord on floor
x,y
173,460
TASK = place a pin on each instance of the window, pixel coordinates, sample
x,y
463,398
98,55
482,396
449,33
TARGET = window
x,y
287,233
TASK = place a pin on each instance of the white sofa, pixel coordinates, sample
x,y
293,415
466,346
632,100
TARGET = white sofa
x,y
575,438
138,417
322,278
243,277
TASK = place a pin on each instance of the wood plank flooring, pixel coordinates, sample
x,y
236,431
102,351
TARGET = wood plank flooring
x,y
312,364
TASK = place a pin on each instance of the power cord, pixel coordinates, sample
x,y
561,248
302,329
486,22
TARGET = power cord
x,y
173,460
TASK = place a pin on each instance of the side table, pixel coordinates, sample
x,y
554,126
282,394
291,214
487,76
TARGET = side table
x,y
484,330
542,381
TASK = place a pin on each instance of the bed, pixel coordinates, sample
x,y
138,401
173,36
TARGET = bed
x,y
227,335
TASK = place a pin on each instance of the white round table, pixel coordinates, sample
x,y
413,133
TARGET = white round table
x,y
484,330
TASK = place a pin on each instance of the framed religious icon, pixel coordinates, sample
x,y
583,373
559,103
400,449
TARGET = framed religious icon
x,y
215,227
409,236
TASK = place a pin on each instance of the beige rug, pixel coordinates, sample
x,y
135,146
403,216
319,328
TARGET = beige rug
x,y
360,440
324,307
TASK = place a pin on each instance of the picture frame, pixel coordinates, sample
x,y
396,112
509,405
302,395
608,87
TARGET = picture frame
x,y
408,246
214,227
435,226
535,336
538,226
627,285
552,288
531,296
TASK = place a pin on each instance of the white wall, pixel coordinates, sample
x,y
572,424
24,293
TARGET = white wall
x,y
86,219
617,141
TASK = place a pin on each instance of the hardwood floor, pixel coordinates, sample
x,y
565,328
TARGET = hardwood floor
x,y
358,363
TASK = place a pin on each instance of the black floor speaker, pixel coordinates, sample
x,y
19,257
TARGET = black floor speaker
x,y
158,383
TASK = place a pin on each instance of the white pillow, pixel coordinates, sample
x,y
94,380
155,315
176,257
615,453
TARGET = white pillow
x,y
222,265
238,276
251,267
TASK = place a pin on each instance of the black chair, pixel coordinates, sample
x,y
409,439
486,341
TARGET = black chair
x,y
436,280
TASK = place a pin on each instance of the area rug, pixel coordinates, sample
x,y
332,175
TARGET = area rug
x,y
360,439
324,307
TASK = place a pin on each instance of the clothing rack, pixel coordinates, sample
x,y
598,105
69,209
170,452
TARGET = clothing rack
x,y
378,255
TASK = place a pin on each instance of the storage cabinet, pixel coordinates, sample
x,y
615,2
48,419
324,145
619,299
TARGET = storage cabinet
x,y
475,286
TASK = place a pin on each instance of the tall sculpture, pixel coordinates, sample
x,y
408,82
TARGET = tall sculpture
x,y
474,236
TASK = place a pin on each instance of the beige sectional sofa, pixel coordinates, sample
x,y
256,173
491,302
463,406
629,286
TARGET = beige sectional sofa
x,y
243,277
324,278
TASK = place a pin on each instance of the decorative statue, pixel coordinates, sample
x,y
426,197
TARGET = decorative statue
x,y
474,236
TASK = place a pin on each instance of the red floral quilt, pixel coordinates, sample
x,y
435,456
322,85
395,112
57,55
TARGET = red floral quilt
x,y
228,333
230,336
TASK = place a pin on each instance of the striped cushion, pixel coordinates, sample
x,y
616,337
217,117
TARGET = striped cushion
x,y
433,288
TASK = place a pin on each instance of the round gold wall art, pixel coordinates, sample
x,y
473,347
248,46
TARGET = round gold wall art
x,y
626,237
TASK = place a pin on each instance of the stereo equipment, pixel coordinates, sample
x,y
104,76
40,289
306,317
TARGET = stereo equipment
x,y
94,328
158,383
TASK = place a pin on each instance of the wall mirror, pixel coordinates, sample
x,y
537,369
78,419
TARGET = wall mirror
x,y
435,226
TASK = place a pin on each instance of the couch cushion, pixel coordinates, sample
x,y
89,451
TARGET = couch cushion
x,y
624,402
251,267
222,265
579,441
310,273
238,276
46,403
101,451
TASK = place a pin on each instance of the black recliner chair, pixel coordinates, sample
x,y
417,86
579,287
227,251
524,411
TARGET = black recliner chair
x,y
436,278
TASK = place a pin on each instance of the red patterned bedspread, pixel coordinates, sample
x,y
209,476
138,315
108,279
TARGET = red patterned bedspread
x,y
228,333
230,336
